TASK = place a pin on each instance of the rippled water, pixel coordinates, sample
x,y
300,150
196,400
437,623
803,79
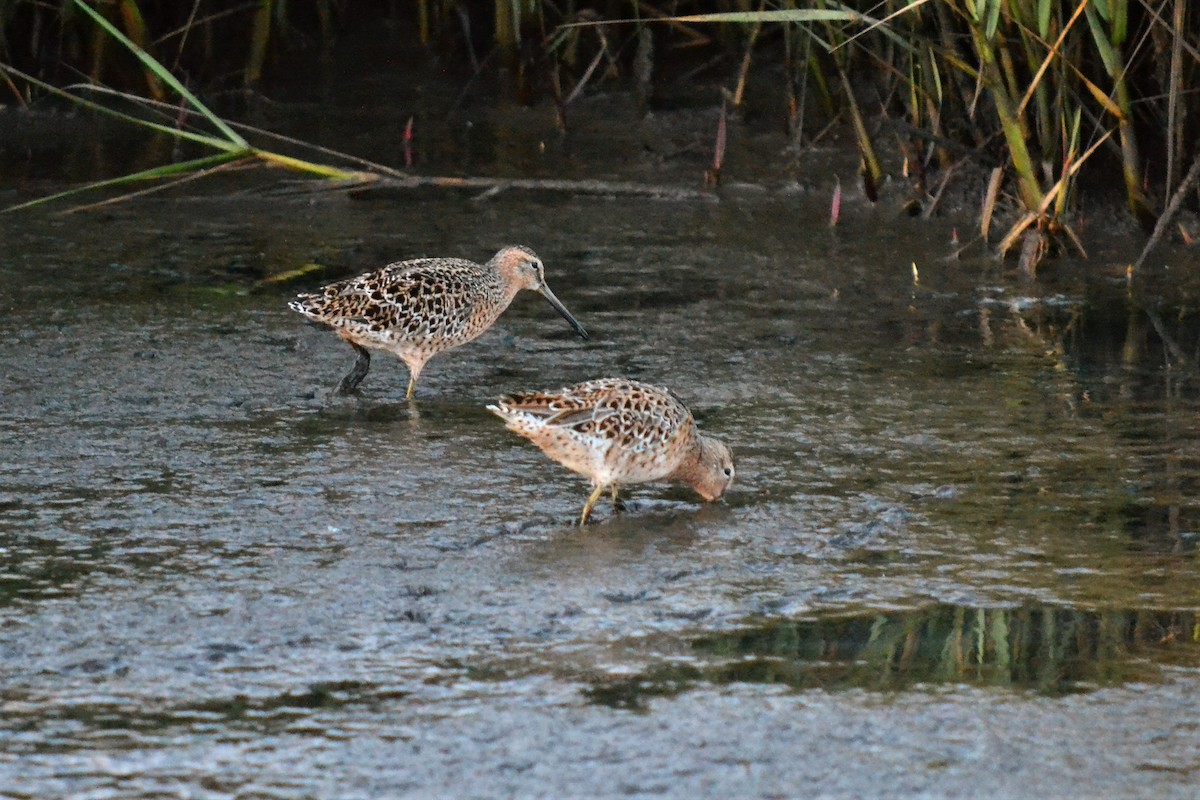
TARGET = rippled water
x,y
961,551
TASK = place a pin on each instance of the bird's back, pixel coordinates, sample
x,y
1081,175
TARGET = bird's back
x,y
433,302
611,429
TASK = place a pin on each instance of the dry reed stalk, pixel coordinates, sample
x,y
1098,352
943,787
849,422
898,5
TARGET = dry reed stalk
x,y
989,202
713,176
260,36
740,90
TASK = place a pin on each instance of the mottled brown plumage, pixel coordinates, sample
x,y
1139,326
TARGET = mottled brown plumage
x,y
419,308
619,431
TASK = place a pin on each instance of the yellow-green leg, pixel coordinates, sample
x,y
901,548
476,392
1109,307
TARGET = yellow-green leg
x,y
414,371
591,502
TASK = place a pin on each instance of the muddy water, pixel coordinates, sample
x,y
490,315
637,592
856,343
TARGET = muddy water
x,y
960,553
961,547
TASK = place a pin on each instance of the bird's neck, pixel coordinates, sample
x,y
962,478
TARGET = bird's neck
x,y
690,469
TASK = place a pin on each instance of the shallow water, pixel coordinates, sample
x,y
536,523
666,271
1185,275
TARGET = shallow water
x,y
960,553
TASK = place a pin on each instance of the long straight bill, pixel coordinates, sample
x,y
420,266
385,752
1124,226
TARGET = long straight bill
x,y
561,309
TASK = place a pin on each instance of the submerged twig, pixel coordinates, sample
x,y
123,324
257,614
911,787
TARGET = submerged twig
x,y
587,76
958,148
797,118
464,19
16,92
1165,218
947,174
1167,340
490,187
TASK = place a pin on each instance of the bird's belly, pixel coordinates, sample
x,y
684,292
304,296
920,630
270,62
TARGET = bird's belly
x,y
421,341
639,467
604,460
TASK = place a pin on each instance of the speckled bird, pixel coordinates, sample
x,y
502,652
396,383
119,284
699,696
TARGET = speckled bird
x,y
618,431
419,308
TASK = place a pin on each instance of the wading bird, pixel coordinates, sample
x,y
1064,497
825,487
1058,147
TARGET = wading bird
x,y
419,308
618,431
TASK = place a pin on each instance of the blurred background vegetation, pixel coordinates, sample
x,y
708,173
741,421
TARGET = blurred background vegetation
x,y
1042,98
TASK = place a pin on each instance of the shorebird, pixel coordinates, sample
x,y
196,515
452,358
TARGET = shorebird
x,y
618,431
419,308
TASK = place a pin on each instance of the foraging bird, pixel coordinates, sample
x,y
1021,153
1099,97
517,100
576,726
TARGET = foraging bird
x,y
418,308
618,431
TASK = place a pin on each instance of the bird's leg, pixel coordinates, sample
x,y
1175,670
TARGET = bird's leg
x,y
414,371
357,372
591,502
618,503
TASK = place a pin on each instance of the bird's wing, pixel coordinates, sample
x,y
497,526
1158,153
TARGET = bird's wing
x,y
608,408
405,298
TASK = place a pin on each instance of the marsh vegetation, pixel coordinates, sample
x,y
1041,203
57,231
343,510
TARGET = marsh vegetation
x,y
1040,102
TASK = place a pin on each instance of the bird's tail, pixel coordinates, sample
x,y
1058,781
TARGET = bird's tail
x,y
307,304
516,420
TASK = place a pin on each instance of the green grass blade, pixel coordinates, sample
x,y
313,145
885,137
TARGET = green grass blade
x,y
1120,22
793,15
324,170
1112,64
1043,18
936,72
810,33
782,15
164,75
993,19
882,25
741,17
264,155
200,138
145,175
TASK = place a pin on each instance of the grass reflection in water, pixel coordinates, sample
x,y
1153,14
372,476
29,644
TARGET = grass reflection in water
x,y
1052,650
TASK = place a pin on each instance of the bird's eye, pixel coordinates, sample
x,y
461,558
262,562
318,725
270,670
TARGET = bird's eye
x,y
729,472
